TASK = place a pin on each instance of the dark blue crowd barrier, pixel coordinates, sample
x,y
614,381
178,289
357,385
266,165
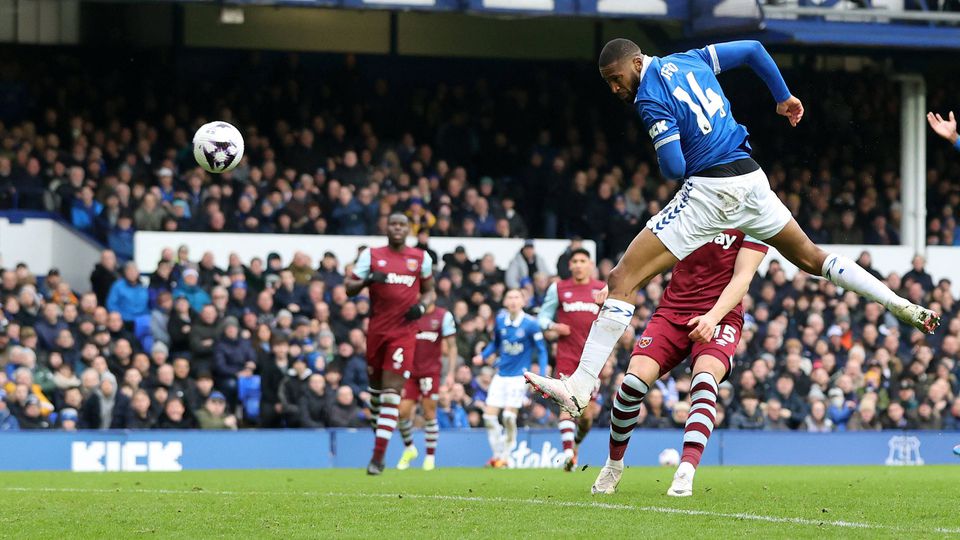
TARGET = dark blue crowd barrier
x,y
94,451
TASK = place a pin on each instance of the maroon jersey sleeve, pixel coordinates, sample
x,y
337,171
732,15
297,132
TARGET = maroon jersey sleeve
x,y
391,300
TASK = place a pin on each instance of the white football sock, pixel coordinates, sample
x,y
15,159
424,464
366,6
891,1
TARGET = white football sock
x,y
687,469
494,433
510,432
615,463
845,273
605,332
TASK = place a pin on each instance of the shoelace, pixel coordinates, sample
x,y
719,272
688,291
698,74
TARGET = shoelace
x,y
606,476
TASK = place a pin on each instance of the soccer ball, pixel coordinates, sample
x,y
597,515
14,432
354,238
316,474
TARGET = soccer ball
x,y
218,147
669,457
956,449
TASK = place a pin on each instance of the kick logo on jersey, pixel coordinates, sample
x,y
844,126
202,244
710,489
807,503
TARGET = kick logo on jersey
x,y
645,342
412,264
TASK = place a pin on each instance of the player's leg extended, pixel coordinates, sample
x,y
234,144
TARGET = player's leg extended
x,y
509,433
707,371
794,244
645,258
643,371
491,421
431,431
408,409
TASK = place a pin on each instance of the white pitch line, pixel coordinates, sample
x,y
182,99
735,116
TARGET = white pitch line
x,y
498,500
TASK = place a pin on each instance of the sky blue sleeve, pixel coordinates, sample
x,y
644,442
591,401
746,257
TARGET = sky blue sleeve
x,y
449,326
549,308
361,268
725,56
673,165
542,355
426,269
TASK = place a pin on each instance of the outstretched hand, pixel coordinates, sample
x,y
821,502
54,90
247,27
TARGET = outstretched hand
x,y
944,128
792,109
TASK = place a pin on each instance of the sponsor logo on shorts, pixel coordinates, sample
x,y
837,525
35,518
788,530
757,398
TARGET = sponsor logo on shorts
x,y
645,342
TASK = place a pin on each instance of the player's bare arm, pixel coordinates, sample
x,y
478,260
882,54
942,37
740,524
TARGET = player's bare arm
x,y
748,260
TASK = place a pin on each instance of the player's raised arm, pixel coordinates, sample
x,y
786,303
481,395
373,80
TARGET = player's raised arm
x,y
748,260
945,128
724,56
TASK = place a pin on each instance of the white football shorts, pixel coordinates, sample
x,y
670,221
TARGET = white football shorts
x,y
705,207
507,392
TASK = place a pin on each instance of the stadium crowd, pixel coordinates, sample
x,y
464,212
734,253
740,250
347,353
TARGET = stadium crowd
x,y
519,154
331,145
178,347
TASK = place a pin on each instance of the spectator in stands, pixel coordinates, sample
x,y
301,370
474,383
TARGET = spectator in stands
x,y
344,412
951,417
273,368
233,357
315,403
140,415
84,211
120,237
191,290
748,415
105,407
865,419
214,415
203,338
175,415
128,296
103,276
49,327
8,422
817,420
348,215
896,418
525,265
918,274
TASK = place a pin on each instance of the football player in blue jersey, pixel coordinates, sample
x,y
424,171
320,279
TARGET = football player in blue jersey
x,y
515,336
689,120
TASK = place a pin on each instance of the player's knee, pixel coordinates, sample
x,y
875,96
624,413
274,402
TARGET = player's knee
x,y
618,281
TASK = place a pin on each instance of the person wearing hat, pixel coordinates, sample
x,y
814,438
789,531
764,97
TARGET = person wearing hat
x,y
190,289
458,259
214,415
128,296
233,357
525,264
30,417
67,419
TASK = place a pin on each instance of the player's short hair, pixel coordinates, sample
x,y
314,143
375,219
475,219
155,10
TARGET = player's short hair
x,y
618,49
580,251
398,215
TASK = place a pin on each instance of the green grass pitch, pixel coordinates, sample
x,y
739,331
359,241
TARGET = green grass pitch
x,y
754,502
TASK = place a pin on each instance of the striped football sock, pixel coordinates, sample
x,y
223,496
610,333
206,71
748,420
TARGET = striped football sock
x,y
431,431
703,412
566,433
623,417
386,422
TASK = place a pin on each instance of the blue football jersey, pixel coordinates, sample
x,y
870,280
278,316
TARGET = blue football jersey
x,y
515,341
679,98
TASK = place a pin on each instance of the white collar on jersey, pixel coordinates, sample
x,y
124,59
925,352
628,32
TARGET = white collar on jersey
x,y
646,64
513,322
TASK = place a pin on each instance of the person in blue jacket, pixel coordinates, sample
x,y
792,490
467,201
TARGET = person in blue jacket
x,y
189,289
128,296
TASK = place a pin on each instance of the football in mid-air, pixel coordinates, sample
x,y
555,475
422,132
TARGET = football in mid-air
x,y
956,449
218,147
669,457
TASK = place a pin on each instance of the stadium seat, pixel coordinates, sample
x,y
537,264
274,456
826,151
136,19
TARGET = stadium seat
x,y
141,329
248,392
